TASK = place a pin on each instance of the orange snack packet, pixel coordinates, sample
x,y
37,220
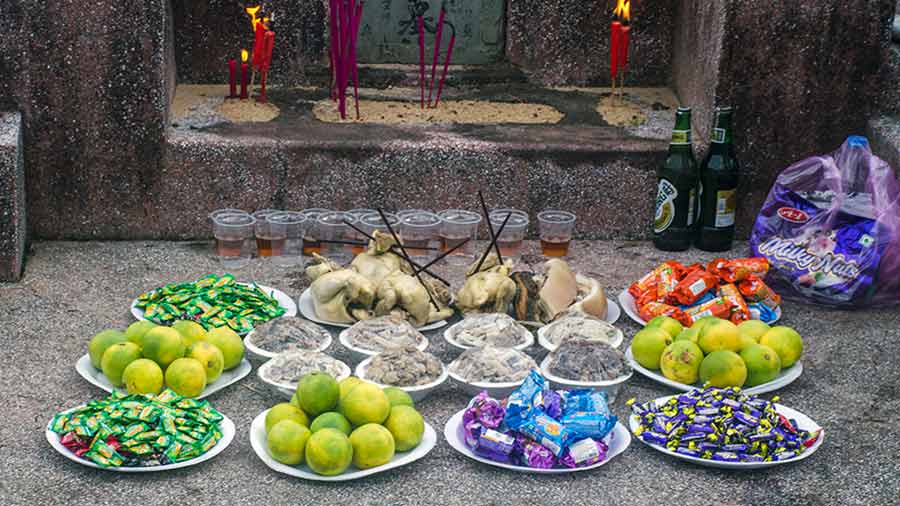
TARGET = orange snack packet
x,y
720,307
739,310
650,279
755,289
739,269
694,285
651,310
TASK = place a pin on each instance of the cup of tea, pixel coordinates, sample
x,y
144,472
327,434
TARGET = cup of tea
x,y
286,229
234,239
510,239
555,229
264,234
419,231
333,234
310,239
457,225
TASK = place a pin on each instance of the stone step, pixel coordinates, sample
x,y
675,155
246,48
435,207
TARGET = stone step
x,y
884,135
12,197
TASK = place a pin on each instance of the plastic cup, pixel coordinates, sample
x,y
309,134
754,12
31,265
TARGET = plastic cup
x,y
268,243
333,232
555,229
404,212
510,239
234,234
290,226
419,231
458,225
310,239
226,210
373,221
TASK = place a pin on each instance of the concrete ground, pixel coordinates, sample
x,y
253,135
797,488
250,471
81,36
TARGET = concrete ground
x,y
70,291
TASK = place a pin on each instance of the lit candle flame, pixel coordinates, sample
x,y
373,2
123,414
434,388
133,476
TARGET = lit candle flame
x,y
244,55
251,11
623,10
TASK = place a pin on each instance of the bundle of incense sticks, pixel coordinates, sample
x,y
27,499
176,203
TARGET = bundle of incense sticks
x,y
438,32
344,20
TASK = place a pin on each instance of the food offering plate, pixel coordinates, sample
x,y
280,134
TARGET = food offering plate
x,y
258,442
617,441
803,423
417,392
96,378
785,378
628,303
226,426
261,354
288,389
308,310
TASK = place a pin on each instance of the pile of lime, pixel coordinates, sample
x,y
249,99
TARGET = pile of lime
x,y
330,425
717,352
184,357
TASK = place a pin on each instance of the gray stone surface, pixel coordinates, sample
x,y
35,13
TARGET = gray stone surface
x,y
73,290
884,136
13,225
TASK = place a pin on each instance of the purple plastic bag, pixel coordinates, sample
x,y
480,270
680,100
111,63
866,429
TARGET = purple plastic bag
x,y
830,229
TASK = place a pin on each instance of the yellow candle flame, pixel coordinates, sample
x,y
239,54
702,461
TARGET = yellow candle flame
x,y
251,11
623,9
244,55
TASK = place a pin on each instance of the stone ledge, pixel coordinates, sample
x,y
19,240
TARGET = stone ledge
x,y
884,136
12,197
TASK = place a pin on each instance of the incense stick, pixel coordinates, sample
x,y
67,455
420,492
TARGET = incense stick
x,y
491,245
437,50
421,26
406,256
446,63
443,255
487,217
338,241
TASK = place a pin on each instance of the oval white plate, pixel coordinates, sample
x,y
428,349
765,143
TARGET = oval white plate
x,y
283,299
617,442
96,378
451,331
226,426
786,377
547,345
803,422
610,387
258,442
260,353
361,353
308,310
495,390
288,389
417,392
631,309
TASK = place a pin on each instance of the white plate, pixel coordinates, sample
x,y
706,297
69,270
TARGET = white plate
x,y
417,392
547,345
495,390
610,387
803,422
617,441
262,354
308,310
786,377
226,426
284,300
631,309
258,442
96,378
358,353
450,332
288,389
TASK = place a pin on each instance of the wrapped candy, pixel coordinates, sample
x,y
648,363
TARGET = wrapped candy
x,y
667,280
551,402
650,279
483,412
719,307
586,399
762,312
547,431
494,445
739,310
653,309
739,269
520,402
586,452
694,285
533,454
756,290
583,424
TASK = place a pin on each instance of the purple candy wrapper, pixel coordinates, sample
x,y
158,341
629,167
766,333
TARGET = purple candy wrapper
x,y
551,402
583,453
483,413
495,445
533,454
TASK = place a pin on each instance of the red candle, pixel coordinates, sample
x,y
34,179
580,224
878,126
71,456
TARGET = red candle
x,y
268,45
259,50
615,29
244,72
623,46
232,78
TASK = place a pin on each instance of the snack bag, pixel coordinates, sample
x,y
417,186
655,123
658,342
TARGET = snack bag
x,y
830,229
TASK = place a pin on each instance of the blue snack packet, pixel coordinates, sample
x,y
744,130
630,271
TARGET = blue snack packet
x,y
520,403
547,431
585,399
588,424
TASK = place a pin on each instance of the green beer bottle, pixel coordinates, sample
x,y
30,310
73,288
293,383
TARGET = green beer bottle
x,y
676,197
718,187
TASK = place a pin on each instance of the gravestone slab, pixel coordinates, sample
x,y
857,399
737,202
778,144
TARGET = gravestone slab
x,y
12,197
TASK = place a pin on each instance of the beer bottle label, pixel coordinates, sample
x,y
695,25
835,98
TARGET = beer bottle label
x,y
726,202
718,135
681,137
665,206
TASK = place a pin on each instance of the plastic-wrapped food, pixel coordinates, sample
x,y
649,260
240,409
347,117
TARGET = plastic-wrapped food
x,y
587,361
484,412
290,366
521,402
404,366
379,334
289,333
585,327
586,452
494,329
533,454
492,365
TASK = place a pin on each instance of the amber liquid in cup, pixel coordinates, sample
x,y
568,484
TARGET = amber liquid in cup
x,y
269,246
229,247
311,246
555,246
448,243
356,250
416,247
509,248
